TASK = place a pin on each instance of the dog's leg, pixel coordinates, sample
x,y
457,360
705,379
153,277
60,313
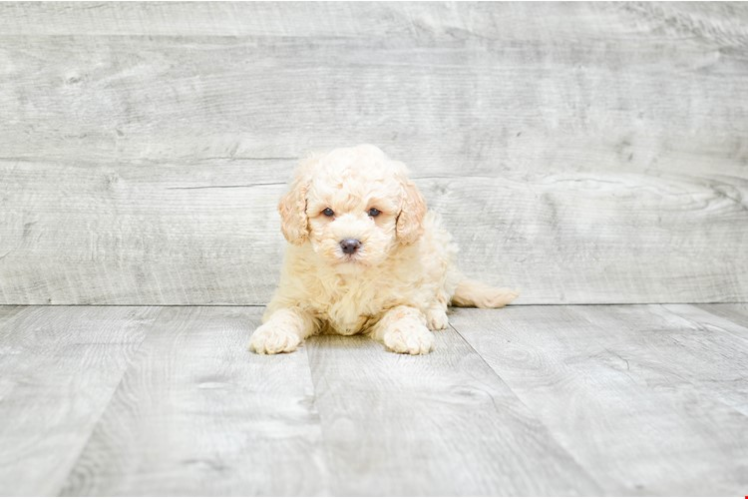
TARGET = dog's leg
x,y
403,329
282,332
436,314
436,318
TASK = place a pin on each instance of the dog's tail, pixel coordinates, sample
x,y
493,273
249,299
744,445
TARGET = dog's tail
x,y
471,293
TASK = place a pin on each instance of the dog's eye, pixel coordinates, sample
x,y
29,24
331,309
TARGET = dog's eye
x,y
328,212
373,212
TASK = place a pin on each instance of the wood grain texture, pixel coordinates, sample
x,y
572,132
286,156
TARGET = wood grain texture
x,y
737,313
577,400
59,367
636,394
137,235
585,153
133,235
726,345
442,424
468,103
423,20
197,414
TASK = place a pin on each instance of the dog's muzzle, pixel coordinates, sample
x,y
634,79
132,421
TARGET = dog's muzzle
x,y
350,245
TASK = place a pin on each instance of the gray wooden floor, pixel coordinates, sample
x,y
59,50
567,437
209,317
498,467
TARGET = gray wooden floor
x,y
530,400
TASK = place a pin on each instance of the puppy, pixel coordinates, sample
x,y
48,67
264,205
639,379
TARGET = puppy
x,y
365,256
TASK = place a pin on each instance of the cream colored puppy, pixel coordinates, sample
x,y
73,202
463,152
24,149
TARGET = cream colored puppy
x,y
365,256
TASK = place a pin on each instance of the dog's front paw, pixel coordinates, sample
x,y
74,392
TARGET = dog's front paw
x,y
412,339
436,319
273,338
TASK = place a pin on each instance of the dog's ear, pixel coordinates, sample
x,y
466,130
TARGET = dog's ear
x,y
292,206
412,211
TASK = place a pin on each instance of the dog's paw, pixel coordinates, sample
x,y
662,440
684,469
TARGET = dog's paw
x,y
436,319
273,338
410,339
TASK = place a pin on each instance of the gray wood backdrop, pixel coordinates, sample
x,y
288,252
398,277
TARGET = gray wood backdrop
x,y
584,153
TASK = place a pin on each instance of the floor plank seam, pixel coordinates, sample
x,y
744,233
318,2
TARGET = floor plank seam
x,y
105,407
741,327
323,440
669,373
731,333
530,411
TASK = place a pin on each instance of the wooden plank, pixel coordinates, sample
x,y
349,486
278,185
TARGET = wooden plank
x,y
209,234
59,367
455,20
627,390
480,107
442,424
197,414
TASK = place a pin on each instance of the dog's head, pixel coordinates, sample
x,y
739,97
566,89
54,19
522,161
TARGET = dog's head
x,y
354,205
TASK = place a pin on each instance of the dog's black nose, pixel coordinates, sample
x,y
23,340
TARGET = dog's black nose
x,y
349,245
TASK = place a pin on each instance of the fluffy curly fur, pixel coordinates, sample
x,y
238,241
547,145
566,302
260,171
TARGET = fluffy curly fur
x,y
395,287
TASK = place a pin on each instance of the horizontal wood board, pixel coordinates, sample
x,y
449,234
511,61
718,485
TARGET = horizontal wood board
x,y
583,153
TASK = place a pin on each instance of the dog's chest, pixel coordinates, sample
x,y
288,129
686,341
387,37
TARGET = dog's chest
x,y
348,324
351,309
